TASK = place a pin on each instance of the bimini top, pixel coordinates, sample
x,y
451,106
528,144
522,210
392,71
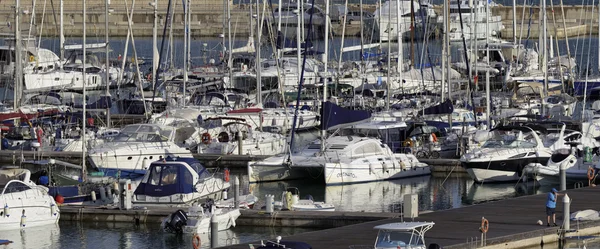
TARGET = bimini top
x,y
172,175
405,226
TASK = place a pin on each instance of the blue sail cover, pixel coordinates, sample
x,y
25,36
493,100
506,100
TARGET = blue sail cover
x,y
334,116
443,108
169,177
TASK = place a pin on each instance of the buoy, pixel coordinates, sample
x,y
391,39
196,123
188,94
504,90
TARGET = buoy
x,y
52,209
59,199
6,210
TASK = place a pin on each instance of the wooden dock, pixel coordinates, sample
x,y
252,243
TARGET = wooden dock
x,y
322,220
512,224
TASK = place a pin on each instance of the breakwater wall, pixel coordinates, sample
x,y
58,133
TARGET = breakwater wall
x,y
207,19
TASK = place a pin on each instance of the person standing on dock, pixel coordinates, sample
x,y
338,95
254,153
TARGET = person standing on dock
x,y
551,206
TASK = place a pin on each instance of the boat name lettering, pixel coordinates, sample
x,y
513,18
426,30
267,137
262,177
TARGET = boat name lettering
x,y
346,175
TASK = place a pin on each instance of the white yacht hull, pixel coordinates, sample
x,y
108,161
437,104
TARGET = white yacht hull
x,y
341,173
488,175
30,208
201,225
132,157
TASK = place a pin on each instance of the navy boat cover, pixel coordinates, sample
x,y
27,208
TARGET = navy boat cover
x,y
334,116
170,177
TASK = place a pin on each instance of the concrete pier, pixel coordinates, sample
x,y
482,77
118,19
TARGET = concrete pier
x,y
512,224
208,16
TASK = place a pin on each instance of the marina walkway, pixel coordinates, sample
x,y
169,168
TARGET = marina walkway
x,y
510,221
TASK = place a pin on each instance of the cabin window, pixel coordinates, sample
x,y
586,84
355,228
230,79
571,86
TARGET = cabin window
x,y
14,187
168,175
368,149
155,175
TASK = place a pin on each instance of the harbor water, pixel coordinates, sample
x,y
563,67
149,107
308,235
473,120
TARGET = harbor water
x,y
435,193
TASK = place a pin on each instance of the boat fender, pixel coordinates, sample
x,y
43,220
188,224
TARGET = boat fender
x,y
371,169
93,194
23,219
52,209
196,241
231,219
434,138
227,175
6,210
385,167
402,165
224,195
205,138
288,199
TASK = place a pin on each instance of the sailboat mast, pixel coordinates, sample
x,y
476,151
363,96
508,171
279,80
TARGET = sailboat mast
x,y
258,64
155,56
84,120
61,36
514,22
389,56
185,49
444,50
230,55
400,38
107,3
326,73
18,57
487,52
545,51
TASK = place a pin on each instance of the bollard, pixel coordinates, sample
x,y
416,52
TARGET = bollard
x,y
567,213
214,232
236,192
269,199
240,143
563,176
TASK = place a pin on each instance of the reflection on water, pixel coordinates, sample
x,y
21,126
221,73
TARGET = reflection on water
x,y
435,192
130,236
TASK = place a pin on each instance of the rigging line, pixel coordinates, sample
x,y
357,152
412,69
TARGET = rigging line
x,y
425,24
464,42
301,79
160,57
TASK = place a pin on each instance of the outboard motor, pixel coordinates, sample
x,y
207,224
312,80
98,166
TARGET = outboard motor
x,y
176,222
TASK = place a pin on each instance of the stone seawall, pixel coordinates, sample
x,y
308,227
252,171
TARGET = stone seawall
x,y
208,16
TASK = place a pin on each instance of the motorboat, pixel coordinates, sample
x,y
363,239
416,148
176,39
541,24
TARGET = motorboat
x,y
388,20
290,200
475,17
246,202
277,119
24,204
179,181
505,155
344,159
577,168
197,220
223,134
402,235
278,243
136,146
290,15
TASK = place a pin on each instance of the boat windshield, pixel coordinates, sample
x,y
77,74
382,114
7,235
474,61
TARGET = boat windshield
x,y
143,133
14,187
397,239
507,140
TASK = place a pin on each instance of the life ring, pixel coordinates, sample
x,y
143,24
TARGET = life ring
x,y
435,138
31,58
227,175
485,225
408,143
205,138
590,173
149,77
196,241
